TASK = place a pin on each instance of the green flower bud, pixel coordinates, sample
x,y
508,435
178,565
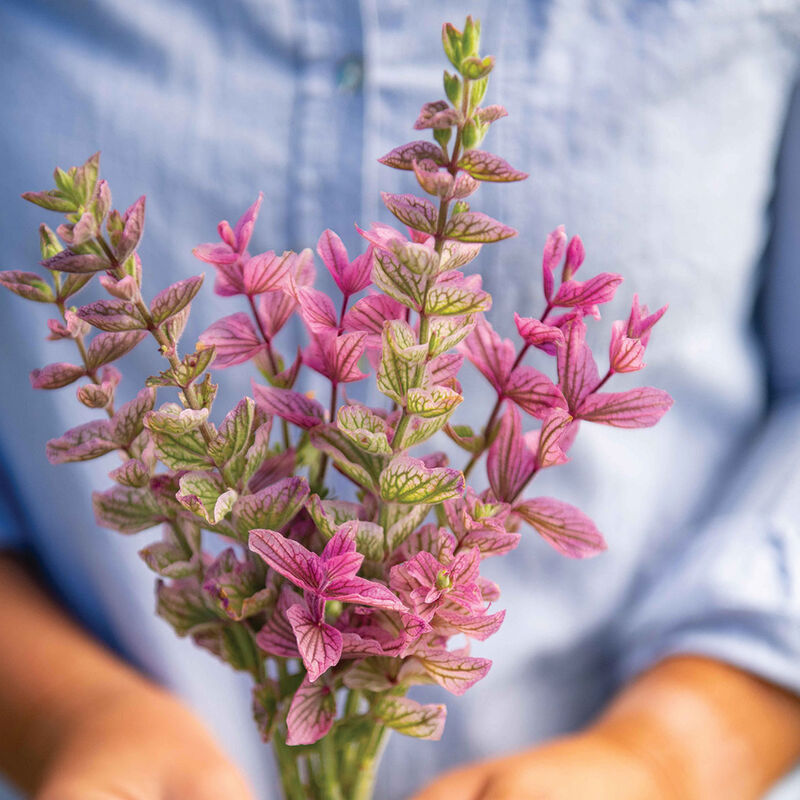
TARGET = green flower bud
x,y
471,39
443,580
333,610
48,242
442,136
451,40
469,136
453,88
475,68
477,91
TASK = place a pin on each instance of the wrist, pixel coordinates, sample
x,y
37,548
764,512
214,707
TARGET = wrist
x,y
705,728
72,703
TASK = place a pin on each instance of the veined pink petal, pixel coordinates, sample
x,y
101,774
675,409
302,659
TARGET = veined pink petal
x,y
289,405
575,255
317,310
342,543
553,253
538,334
577,370
641,322
510,462
311,713
266,272
492,355
336,357
244,227
563,526
234,338
624,354
333,253
215,253
475,626
533,391
453,671
636,408
444,368
289,558
549,450
274,310
359,273
277,637
360,590
320,644
383,236
586,295
369,313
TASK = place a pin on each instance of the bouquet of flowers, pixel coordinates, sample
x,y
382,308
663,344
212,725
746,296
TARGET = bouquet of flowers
x,y
337,605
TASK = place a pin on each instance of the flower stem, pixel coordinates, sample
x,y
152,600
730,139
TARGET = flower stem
x,y
367,766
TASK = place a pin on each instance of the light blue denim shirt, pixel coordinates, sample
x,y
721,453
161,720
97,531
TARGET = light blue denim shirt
x,y
656,130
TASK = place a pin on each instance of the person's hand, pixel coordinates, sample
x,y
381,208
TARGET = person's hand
x,y
140,745
589,766
688,729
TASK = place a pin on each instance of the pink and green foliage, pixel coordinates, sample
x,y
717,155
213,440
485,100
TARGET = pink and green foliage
x,y
338,605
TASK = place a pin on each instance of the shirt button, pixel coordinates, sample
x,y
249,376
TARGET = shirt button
x,y
350,73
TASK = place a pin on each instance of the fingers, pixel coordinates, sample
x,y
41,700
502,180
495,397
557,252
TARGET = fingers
x,y
215,783
462,784
203,784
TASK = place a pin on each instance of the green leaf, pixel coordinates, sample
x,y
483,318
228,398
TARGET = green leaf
x,y
258,452
171,558
449,298
132,472
420,429
364,428
475,227
174,419
328,515
398,281
408,480
416,212
173,299
444,333
181,604
402,364
204,494
234,433
363,468
434,402
236,589
419,258
377,674
112,315
368,536
108,347
126,509
231,642
405,523
272,507
411,718
28,285
485,166
128,422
